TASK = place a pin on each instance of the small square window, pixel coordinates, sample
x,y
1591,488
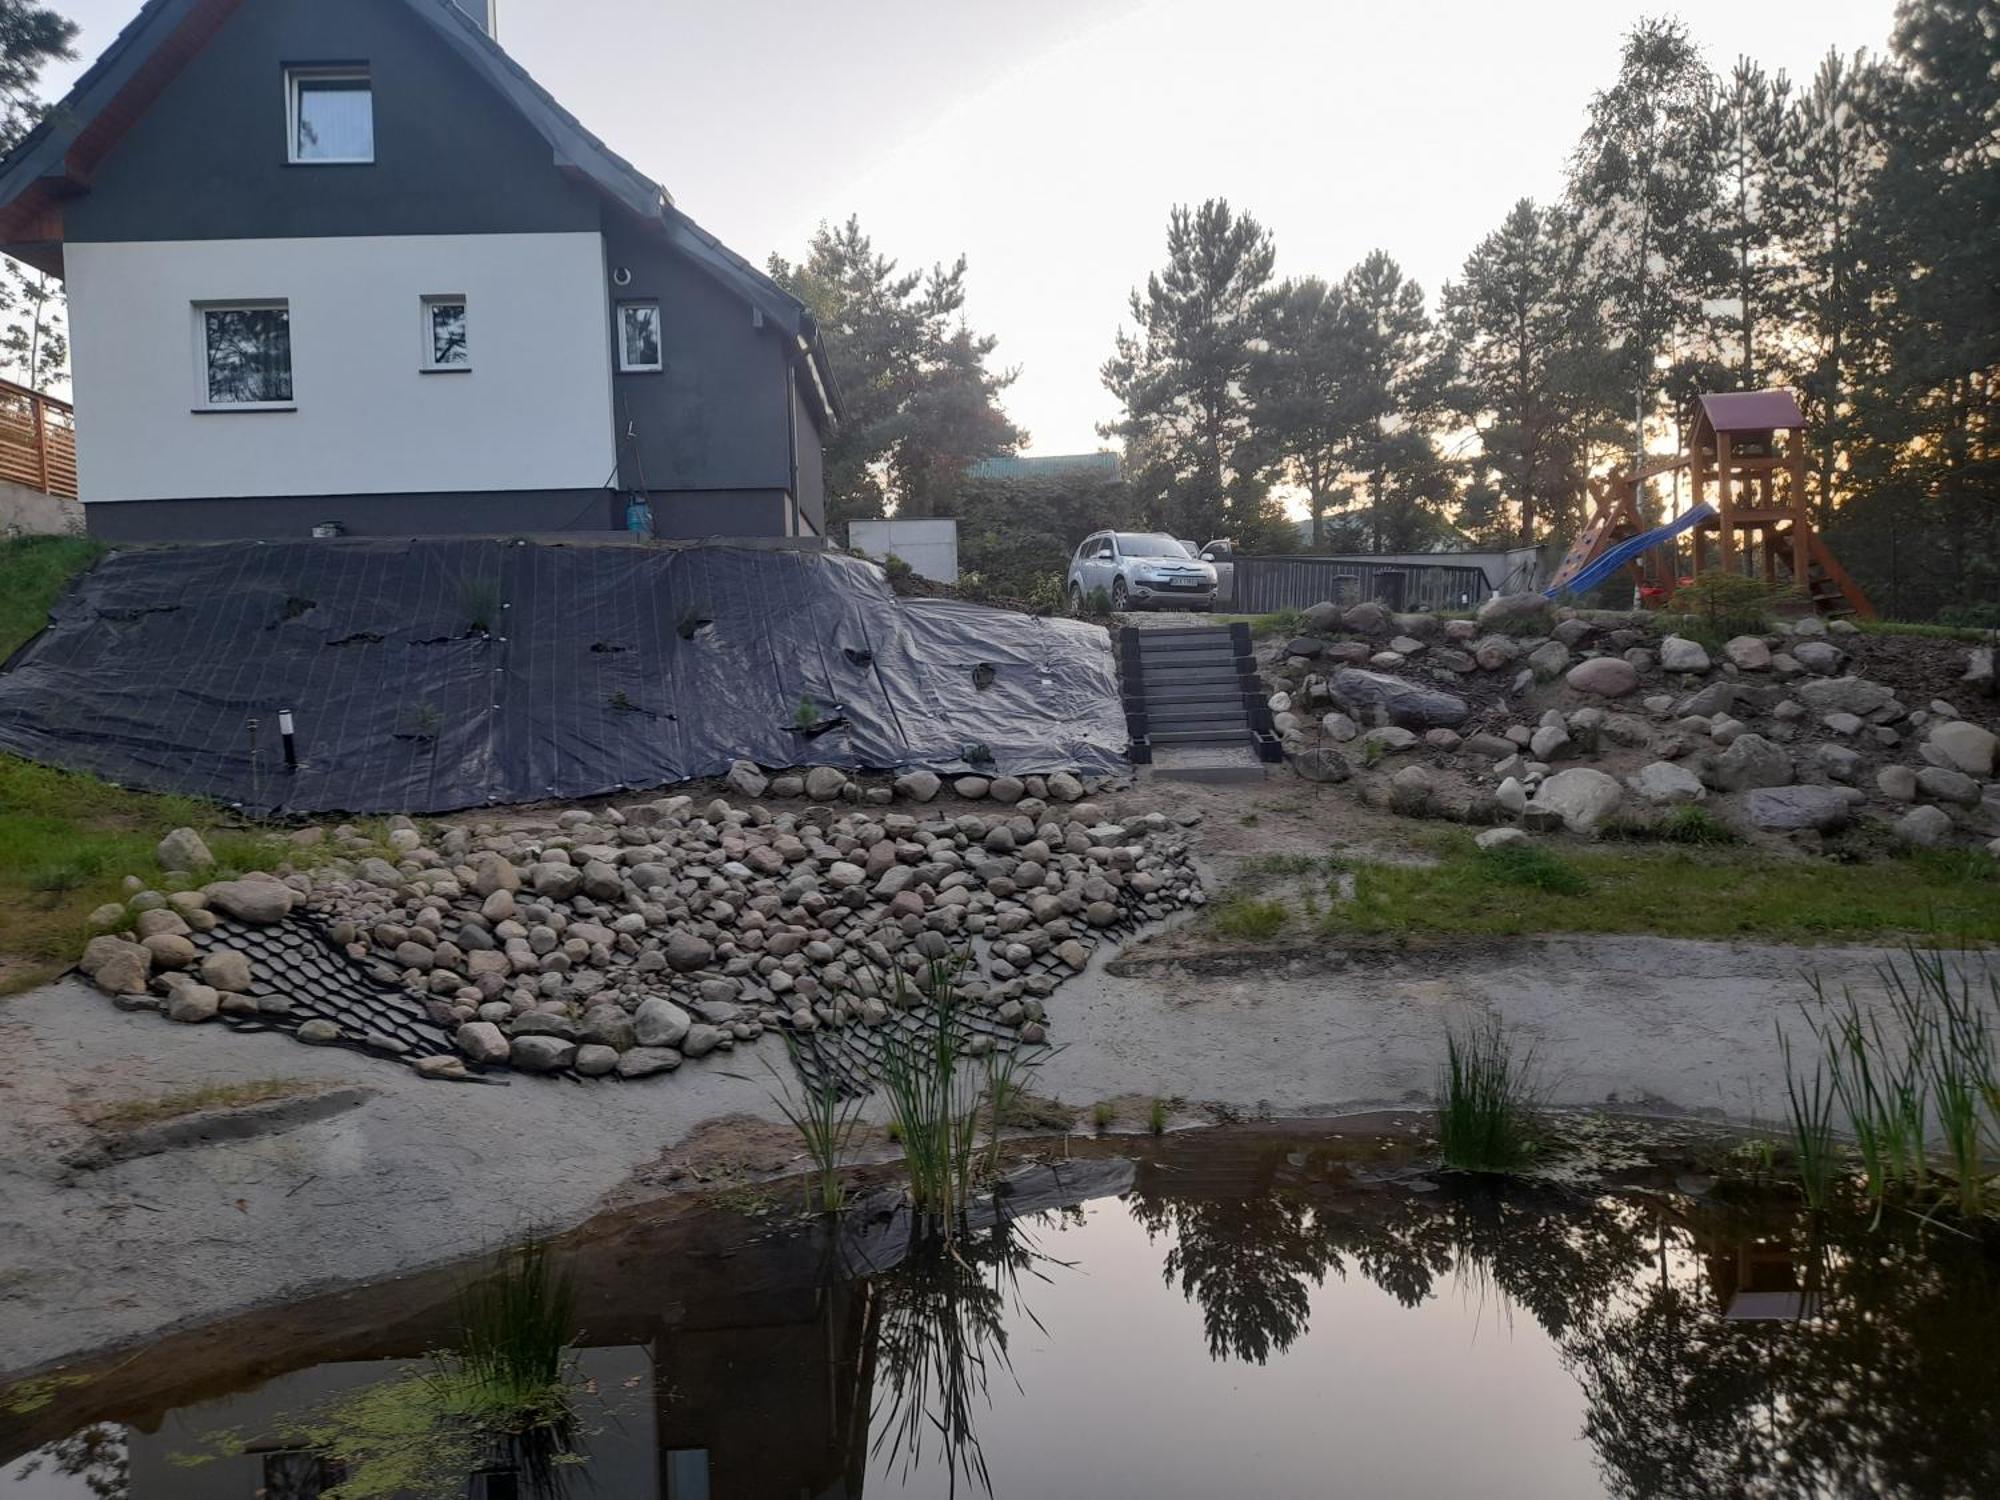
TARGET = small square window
x,y
639,337
243,355
444,331
330,115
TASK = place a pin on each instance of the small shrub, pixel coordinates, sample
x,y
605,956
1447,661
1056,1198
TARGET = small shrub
x,y
1249,918
806,714
1721,606
1102,1114
1485,1113
479,598
1690,824
1156,1117
1530,865
1099,601
897,567
1982,616
1285,622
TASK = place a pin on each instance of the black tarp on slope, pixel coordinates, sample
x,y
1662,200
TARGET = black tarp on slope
x,y
598,668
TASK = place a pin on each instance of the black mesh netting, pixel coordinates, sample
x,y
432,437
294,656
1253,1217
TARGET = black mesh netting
x,y
425,676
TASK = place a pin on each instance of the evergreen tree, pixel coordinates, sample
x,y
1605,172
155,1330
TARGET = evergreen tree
x,y
1640,179
1181,373
1532,371
1827,165
1396,395
1931,241
31,37
922,403
1302,392
1749,127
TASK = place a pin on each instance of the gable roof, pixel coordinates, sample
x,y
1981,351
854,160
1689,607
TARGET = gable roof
x,y
57,159
1751,411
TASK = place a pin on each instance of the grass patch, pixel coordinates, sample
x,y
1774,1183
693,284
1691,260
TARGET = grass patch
x,y
131,1114
66,842
1248,918
1485,1111
33,571
1972,634
1674,892
1687,824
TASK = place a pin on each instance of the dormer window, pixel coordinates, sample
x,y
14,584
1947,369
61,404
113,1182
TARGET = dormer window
x,y
330,113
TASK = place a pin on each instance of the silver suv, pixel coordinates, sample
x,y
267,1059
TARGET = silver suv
x,y
1138,570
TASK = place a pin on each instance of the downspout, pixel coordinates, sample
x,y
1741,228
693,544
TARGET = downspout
x,y
792,446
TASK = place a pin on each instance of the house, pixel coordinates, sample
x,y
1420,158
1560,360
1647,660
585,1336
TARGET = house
x,y
346,266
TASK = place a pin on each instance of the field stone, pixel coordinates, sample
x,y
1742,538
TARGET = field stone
x,y
1605,676
1372,695
258,902
1679,654
1664,782
701,1039
541,1054
1007,789
1548,661
593,1060
318,1032
1823,808
193,1004
183,849
1968,747
1753,761
1854,695
1748,653
1581,796
170,950
483,1042
226,969
918,786
824,783
1898,783
658,1022
687,952
116,966
1923,827
1943,785
1518,613
644,1062
1495,838
1319,763
746,780
972,788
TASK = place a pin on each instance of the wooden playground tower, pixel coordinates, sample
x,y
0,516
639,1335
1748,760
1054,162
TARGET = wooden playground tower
x,y
1745,511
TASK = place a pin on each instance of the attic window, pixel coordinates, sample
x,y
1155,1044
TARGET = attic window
x,y
330,115
639,337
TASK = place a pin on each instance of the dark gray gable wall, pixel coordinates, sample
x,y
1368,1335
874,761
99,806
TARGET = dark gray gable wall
x,y
208,160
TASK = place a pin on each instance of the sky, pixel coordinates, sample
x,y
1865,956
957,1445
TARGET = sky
x,y
1046,140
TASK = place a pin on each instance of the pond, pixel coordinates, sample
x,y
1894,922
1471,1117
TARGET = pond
x,y
1280,1313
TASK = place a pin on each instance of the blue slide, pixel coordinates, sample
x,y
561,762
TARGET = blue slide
x,y
1621,555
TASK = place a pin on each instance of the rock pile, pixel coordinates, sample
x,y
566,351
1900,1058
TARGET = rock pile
x,y
626,940
1556,720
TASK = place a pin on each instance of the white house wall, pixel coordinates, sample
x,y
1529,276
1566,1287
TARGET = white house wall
x,y
533,412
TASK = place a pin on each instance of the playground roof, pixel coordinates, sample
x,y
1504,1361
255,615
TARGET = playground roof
x,y
1752,411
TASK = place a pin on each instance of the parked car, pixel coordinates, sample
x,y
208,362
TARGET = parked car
x,y
1221,556
1139,570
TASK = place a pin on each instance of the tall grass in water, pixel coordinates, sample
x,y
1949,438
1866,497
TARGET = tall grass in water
x,y
1911,1083
1486,1108
825,1122
515,1325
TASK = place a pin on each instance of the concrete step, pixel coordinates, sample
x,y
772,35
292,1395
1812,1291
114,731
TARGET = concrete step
x,y
1239,735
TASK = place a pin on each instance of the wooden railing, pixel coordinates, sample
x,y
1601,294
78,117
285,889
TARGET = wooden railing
x,y
37,441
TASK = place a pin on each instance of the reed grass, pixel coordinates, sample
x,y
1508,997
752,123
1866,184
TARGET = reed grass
x,y
826,1122
1486,1114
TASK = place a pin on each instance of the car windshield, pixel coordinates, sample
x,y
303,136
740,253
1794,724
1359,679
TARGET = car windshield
x,y
1149,544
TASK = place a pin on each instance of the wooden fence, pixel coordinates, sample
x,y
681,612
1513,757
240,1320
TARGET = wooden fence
x,y
37,441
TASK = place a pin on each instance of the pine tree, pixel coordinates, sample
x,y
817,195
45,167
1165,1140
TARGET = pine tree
x,y
31,37
1396,393
1531,369
1640,179
1181,373
922,403
1749,127
1827,166
1302,392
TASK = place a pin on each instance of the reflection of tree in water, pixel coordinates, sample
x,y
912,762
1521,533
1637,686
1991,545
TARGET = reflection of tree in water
x,y
940,1336
96,1455
1891,1388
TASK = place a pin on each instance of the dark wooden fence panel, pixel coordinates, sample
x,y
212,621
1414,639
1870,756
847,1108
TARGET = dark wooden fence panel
x,y
1266,584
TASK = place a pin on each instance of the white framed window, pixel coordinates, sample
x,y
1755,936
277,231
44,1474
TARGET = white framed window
x,y
329,116
639,343
243,356
446,343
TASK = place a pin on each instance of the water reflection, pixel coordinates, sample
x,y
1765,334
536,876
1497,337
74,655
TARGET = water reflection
x,y
1242,1309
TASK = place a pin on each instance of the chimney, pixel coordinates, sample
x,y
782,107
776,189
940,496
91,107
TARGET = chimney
x,y
484,13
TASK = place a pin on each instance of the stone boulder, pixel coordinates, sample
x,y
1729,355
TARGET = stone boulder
x,y
1322,618
1319,763
483,1042
1968,747
1753,761
1493,652
1605,676
1367,618
1923,827
1942,784
1821,657
1823,808
1518,614
1679,654
1548,661
1664,782
1852,695
183,849
1373,696
686,952
261,903
746,780
1748,653
559,882
659,1023
541,1054
918,786
1583,798
226,969
116,966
